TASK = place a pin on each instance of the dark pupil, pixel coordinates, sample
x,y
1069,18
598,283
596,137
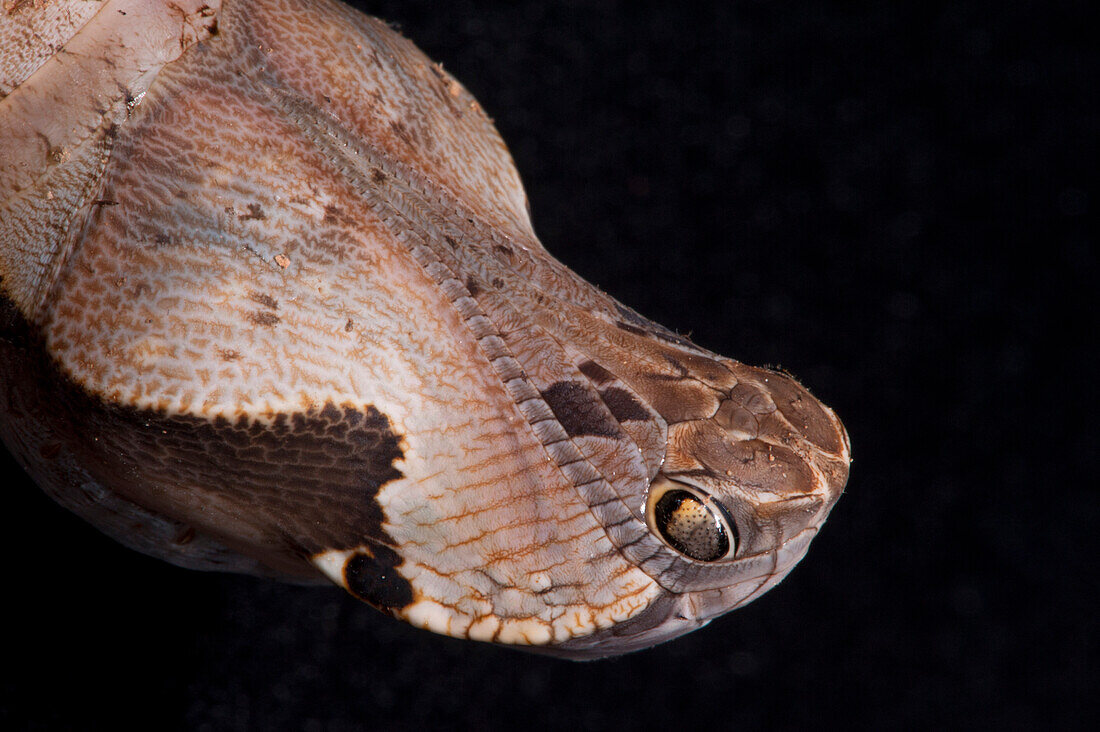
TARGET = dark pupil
x,y
690,527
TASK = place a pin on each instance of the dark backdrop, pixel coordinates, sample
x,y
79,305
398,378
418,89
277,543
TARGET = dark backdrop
x,y
888,199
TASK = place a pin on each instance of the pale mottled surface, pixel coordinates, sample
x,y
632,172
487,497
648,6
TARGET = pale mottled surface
x,y
301,217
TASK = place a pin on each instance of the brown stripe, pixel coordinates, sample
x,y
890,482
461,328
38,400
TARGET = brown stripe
x,y
578,412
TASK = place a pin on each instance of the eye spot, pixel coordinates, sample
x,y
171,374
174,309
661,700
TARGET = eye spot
x,y
690,526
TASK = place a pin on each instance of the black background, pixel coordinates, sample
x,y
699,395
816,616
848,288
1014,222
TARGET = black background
x,y
888,199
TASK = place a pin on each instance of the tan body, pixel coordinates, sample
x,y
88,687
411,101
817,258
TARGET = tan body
x,y
272,303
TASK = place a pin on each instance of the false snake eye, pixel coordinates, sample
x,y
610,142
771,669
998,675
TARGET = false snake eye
x,y
689,522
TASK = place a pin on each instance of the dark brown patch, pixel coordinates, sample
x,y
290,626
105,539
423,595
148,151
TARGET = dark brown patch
x,y
504,249
681,370
623,405
185,536
578,412
330,413
498,282
266,300
349,326
332,214
309,480
675,363
632,317
472,286
377,175
598,374
634,323
631,328
255,213
402,131
264,318
279,490
375,579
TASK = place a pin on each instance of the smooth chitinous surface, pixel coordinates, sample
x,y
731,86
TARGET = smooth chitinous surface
x,y
271,303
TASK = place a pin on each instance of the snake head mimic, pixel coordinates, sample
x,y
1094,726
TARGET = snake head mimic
x,y
741,493
270,302
753,464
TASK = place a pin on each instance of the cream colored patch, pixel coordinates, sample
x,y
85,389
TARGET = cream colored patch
x,y
552,624
530,632
639,591
430,615
540,581
484,629
331,563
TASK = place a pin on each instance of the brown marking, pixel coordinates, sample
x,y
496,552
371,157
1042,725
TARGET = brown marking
x,y
264,318
349,326
377,175
402,131
675,363
255,213
623,405
13,6
577,412
308,480
598,374
631,328
473,286
634,323
263,299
